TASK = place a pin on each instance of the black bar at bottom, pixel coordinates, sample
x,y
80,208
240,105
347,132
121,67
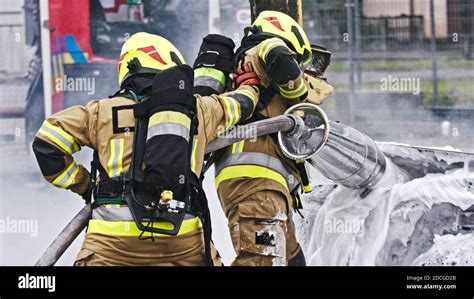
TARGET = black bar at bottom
x,y
348,282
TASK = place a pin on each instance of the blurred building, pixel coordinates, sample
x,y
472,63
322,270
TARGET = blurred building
x,y
411,8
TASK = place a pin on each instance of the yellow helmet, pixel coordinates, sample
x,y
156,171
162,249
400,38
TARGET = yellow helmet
x,y
283,26
145,53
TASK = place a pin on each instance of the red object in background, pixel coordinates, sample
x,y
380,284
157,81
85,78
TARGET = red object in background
x,y
71,17
116,8
68,18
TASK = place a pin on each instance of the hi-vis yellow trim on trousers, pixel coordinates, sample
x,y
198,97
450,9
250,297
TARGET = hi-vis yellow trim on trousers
x,y
67,176
59,137
130,229
249,171
254,165
267,45
170,117
238,147
294,93
114,166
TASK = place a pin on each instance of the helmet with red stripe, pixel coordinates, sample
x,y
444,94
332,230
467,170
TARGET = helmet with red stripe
x,y
145,53
286,28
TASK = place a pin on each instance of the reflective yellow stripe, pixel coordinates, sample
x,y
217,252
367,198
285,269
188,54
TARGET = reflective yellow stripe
x,y
229,113
114,166
71,178
236,105
291,94
170,116
249,95
113,205
110,164
249,171
267,45
59,137
193,154
129,228
307,188
210,72
67,176
56,141
238,147
233,111
64,134
120,156
241,146
63,174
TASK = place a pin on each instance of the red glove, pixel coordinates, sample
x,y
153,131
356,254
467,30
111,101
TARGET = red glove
x,y
245,75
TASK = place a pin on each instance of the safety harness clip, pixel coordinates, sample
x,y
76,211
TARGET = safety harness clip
x,y
210,58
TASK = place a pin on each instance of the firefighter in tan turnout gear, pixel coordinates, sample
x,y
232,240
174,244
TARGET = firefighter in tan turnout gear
x,y
256,184
177,122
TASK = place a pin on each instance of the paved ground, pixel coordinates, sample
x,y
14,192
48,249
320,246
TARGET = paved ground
x,y
25,195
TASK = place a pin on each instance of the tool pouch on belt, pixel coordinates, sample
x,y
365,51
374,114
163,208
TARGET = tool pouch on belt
x,y
160,169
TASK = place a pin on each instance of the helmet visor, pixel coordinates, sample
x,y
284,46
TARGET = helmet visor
x,y
321,59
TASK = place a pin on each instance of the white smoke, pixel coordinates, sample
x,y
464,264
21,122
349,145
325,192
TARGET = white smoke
x,y
390,213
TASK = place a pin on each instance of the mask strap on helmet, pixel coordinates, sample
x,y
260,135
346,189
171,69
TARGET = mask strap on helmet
x,y
134,65
175,58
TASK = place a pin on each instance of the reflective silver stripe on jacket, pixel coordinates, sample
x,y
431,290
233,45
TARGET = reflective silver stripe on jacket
x,y
210,82
65,179
71,147
260,159
114,166
165,128
118,213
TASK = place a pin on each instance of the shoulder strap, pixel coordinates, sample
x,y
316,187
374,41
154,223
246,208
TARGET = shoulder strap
x,y
201,208
300,165
87,196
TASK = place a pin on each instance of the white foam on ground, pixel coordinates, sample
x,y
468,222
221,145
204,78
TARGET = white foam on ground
x,y
385,210
449,250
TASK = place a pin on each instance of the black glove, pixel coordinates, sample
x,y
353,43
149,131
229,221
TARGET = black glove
x,y
216,51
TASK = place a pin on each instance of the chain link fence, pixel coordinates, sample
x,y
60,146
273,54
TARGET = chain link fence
x,y
402,69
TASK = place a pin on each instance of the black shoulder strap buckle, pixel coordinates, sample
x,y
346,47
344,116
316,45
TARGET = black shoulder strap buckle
x,y
208,58
215,60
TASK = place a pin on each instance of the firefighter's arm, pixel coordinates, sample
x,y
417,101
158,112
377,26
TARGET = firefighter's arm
x,y
213,65
282,67
60,136
222,112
